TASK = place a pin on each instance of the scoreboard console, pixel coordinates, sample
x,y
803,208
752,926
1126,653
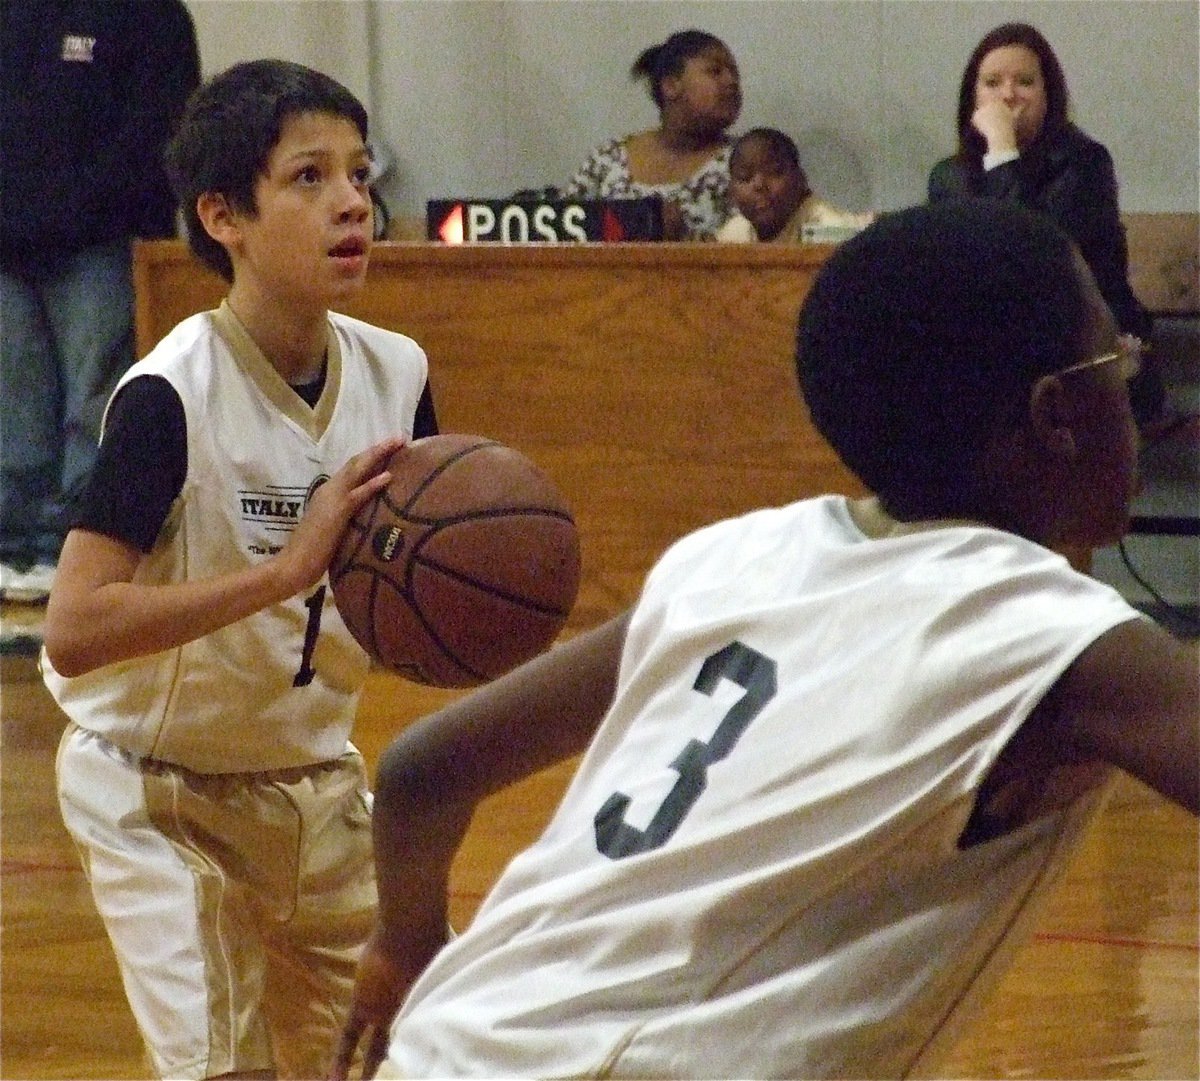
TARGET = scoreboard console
x,y
543,220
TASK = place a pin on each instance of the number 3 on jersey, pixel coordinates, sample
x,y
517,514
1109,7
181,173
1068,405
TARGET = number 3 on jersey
x,y
750,670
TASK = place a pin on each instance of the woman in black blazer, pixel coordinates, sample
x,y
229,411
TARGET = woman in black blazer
x,y
1016,143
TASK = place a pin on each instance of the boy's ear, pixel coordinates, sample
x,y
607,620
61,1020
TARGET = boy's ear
x,y
218,218
1051,417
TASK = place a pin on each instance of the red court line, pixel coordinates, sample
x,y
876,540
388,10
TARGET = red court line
x,y
24,867
1113,940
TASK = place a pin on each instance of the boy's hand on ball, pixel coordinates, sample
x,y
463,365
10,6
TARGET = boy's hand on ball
x,y
330,507
465,566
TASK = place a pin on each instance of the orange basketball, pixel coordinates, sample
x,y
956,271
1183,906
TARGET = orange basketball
x,y
465,566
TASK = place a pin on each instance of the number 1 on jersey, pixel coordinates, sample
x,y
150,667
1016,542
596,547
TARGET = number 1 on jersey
x,y
315,605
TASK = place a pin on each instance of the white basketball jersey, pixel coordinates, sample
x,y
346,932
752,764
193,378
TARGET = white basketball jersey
x,y
280,687
755,871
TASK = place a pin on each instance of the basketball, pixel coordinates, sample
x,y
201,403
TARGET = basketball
x,y
463,567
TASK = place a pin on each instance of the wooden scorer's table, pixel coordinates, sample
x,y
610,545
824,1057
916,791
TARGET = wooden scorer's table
x,y
653,382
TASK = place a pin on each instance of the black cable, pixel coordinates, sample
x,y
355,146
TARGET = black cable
x,y
1192,623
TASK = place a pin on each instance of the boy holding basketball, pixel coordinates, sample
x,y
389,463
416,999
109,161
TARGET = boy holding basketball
x,y
838,747
206,773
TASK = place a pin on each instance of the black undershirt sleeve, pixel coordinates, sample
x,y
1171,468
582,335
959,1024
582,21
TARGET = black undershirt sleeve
x,y
425,419
142,461
141,464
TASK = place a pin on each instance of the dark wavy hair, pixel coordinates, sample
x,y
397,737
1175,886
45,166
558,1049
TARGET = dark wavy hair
x,y
669,57
971,145
922,337
228,130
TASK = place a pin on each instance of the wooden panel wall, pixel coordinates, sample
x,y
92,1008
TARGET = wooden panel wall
x,y
654,382
1164,261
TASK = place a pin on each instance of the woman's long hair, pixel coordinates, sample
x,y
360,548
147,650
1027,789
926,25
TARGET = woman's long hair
x,y
971,145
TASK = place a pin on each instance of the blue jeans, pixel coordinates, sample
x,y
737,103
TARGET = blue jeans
x,y
66,337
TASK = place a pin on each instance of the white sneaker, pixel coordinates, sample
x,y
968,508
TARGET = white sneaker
x,y
26,587
10,577
21,631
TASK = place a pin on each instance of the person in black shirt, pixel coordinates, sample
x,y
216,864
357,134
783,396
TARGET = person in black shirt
x,y
91,91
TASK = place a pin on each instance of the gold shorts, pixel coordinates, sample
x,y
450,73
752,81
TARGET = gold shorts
x,y
237,904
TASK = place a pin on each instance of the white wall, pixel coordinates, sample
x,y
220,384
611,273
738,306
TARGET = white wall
x,y
481,97
331,35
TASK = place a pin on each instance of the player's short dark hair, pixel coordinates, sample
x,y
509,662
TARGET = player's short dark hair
x,y
779,144
228,130
922,337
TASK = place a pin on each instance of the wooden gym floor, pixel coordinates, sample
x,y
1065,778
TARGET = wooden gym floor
x,y
1107,988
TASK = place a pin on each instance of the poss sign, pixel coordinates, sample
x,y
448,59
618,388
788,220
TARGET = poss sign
x,y
543,221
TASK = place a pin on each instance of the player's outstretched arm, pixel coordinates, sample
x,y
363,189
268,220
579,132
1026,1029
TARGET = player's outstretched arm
x,y
431,779
99,613
1133,699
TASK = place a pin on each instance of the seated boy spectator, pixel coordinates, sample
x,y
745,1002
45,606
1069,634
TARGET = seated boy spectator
x,y
772,195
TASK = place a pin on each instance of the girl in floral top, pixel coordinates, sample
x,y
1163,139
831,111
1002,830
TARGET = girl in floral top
x,y
693,79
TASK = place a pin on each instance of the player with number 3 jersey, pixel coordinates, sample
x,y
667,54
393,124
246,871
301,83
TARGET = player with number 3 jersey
x,y
837,749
